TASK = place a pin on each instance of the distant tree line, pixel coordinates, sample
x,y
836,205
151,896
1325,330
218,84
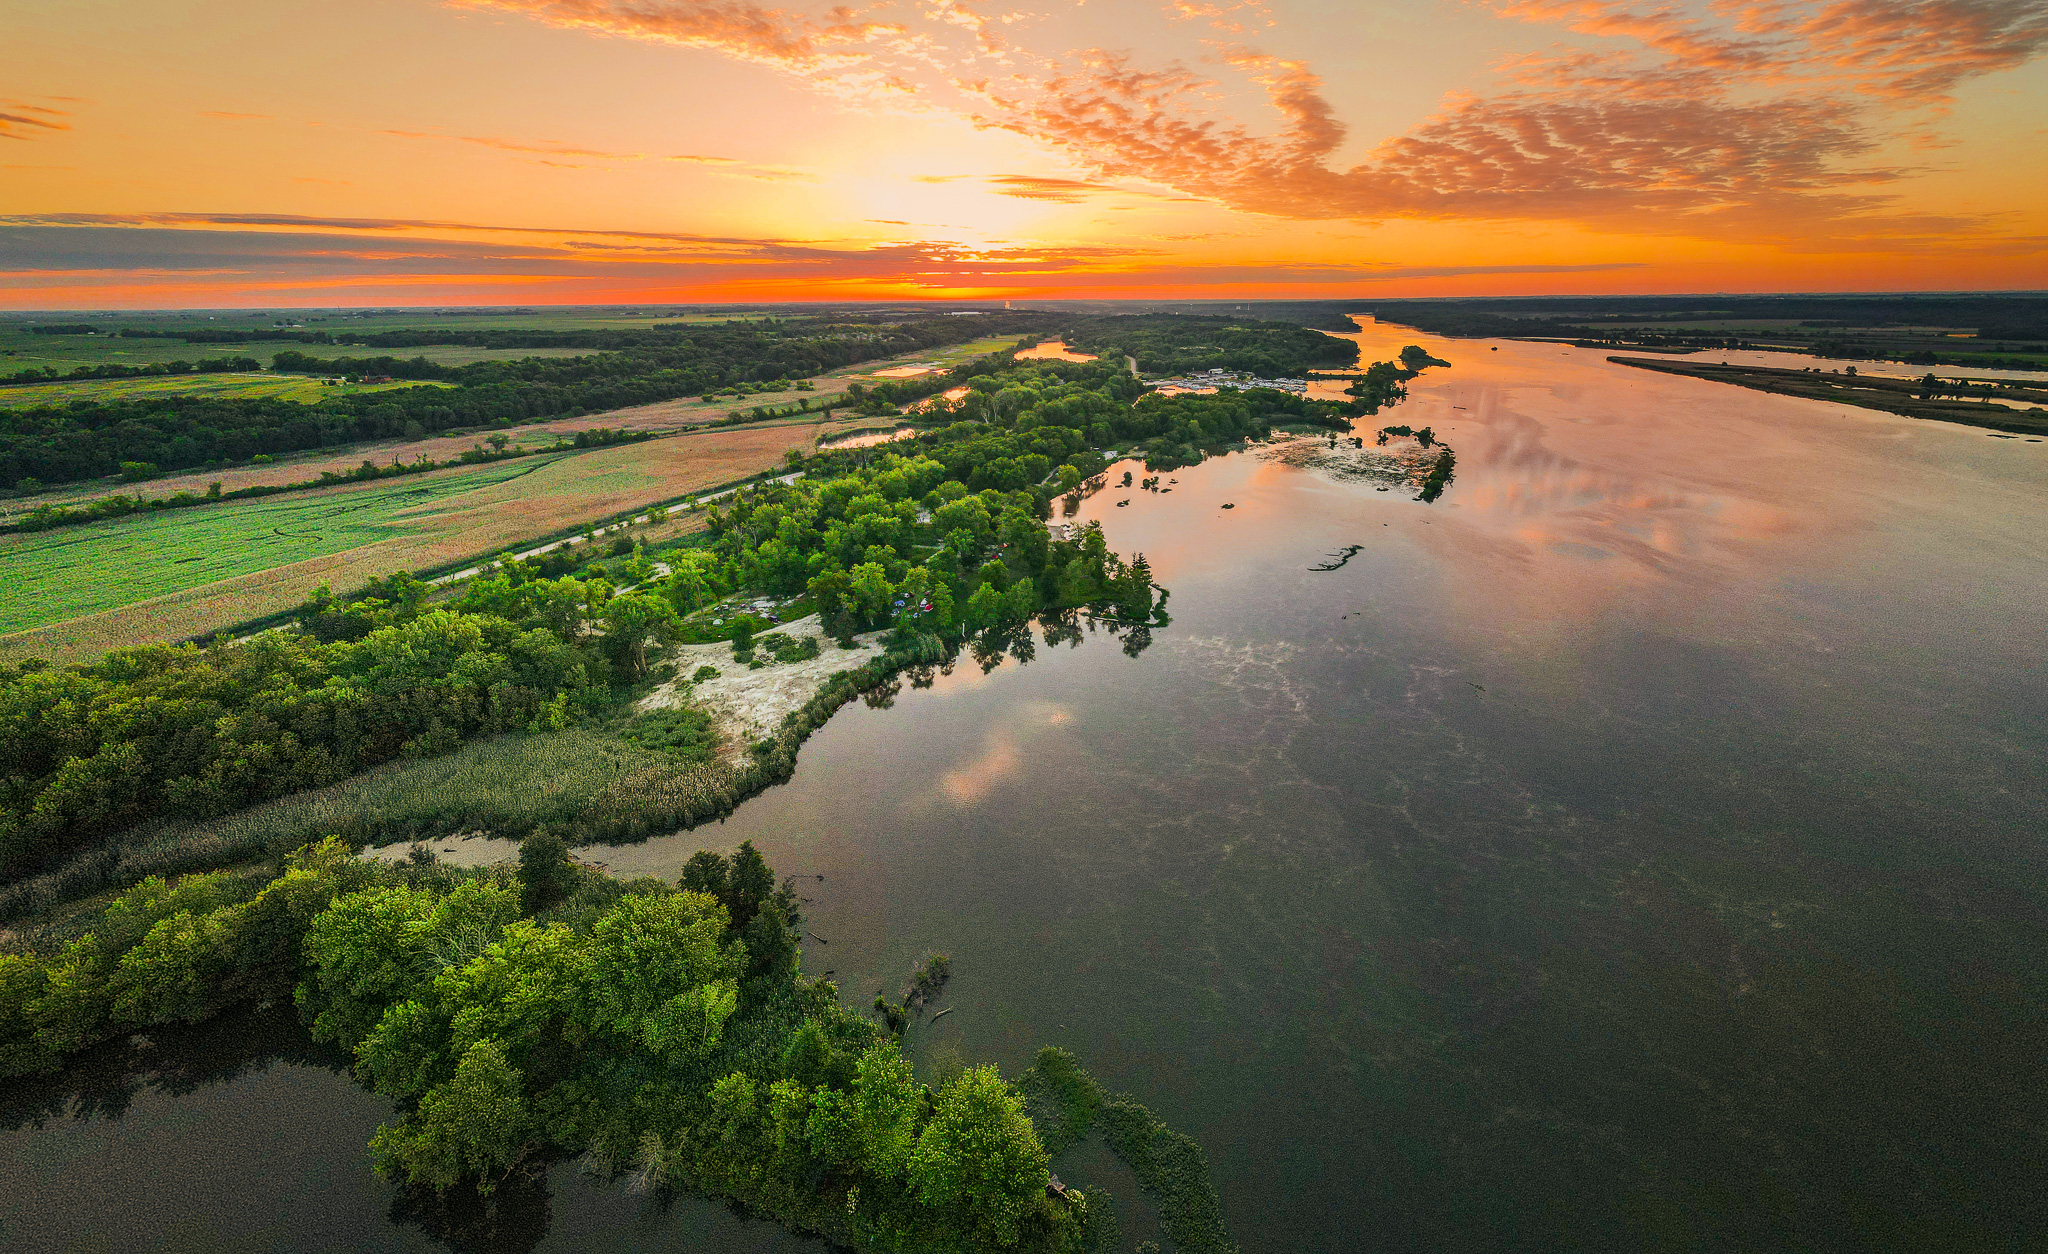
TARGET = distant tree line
x,y
112,370
119,505
2016,317
1176,344
90,439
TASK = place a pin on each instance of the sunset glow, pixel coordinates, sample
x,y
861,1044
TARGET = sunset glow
x,y
184,153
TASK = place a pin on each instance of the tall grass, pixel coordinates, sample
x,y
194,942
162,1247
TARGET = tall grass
x,y
590,785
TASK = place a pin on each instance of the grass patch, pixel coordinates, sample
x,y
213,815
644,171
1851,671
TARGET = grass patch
x,y
283,387
507,784
687,733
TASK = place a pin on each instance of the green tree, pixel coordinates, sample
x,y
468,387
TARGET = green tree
x,y
477,1123
545,876
662,973
984,607
887,1103
868,591
978,1161
633,625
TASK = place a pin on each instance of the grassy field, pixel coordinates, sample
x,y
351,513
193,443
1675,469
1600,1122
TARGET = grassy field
x,y
507,783
283,387
73,571
74,593
943,358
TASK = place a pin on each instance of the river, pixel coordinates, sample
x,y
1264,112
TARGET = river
x,y
1639,848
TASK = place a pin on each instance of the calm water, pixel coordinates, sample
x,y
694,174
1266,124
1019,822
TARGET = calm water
x,y
1639,848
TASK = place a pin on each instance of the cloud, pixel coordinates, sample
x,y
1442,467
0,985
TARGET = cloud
x,y
548,148
548,152
226,259
15,115
1682,115
744,31
1062,191
234,117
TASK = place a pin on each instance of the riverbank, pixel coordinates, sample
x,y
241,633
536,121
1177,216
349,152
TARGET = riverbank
x,y
1996,409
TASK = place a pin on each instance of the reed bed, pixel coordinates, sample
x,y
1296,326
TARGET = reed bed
x,y
588,784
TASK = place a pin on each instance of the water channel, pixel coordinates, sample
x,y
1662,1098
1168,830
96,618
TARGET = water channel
x,y
1641,847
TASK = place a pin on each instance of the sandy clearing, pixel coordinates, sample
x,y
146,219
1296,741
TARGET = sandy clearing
x,y
1400,461
749,703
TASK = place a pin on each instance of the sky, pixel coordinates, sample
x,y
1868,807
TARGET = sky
x,y
283,153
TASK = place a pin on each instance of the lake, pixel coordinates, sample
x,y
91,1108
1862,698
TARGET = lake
x,y
1640,847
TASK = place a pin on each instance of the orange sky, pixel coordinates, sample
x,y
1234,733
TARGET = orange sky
x,y
198,153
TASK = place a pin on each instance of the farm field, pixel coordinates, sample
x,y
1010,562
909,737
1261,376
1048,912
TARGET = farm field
x,y
299,468
283,387
60,574
22,351
76,592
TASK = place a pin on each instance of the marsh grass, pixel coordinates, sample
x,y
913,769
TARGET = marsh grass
x,y
1064,1101
590,784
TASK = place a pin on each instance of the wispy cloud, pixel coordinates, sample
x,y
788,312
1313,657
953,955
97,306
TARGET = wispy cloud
x,y
566,155
1678,115
20,119
1063,191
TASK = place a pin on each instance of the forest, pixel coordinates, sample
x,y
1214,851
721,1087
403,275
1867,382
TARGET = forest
x,y
935,540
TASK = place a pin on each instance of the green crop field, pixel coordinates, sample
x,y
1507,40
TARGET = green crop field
x,y
188,572
57,575
284,387
962,352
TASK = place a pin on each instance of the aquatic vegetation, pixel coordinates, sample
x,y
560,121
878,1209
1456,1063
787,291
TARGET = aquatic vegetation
x,y
1066,1101
1439,475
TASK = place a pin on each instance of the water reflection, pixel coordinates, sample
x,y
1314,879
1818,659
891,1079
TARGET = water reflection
x,y
866,439
242,1135
1053,350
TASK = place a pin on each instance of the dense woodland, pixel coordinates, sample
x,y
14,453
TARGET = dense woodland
x,y
90,439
